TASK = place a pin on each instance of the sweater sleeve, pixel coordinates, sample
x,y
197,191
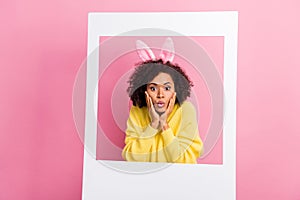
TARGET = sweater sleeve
x,y
140,137
185,146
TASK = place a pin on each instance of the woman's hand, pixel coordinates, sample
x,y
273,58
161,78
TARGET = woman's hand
x,y
163,118
152,113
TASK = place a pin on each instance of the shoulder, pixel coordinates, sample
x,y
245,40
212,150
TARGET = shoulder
x,y
188,108
186,105
136,109
137,112
139,116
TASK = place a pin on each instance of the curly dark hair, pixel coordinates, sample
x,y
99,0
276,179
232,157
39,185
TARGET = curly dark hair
x,y
147,71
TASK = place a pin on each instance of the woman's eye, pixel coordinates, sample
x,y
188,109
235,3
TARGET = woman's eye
x,y
168,88
152,88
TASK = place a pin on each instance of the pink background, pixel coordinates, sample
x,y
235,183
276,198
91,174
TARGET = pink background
x,y
42,46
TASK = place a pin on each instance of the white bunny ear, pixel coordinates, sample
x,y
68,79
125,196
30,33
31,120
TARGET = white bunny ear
x,y
167,52
144,51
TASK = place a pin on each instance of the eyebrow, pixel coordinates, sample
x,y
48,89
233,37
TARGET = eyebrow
x,y
167,83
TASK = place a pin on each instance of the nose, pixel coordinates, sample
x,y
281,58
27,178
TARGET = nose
x,y
160,93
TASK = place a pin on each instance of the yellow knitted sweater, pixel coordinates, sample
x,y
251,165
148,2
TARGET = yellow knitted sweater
x,y
180,143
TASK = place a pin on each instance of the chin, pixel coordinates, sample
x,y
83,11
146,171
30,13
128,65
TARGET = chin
x,y
160,110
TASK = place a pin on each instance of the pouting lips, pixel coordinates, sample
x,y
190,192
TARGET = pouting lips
x,y
160,104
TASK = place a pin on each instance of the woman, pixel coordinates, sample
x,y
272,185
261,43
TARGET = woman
x,y
162,125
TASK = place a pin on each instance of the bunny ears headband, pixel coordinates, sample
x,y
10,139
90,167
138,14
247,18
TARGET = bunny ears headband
x,y
167,52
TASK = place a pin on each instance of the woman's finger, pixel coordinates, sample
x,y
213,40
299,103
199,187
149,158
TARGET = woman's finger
x,y
151,103
171,103
147,100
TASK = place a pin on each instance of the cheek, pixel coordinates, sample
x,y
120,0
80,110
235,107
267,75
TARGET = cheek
x,y
151,93
168,95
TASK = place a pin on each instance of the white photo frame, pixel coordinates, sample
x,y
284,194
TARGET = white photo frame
x,y
177,181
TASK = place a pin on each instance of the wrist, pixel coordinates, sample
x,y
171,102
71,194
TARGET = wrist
x,y
154,124
164,126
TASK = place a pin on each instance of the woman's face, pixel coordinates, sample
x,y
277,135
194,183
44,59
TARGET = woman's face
x,y
161,90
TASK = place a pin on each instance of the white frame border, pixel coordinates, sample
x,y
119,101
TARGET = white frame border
x,y
213,181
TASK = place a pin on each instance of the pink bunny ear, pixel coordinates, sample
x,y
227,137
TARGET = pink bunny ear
x,y
167,52
144,51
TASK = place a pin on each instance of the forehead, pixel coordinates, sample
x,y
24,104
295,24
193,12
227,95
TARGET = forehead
x,y
162,78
